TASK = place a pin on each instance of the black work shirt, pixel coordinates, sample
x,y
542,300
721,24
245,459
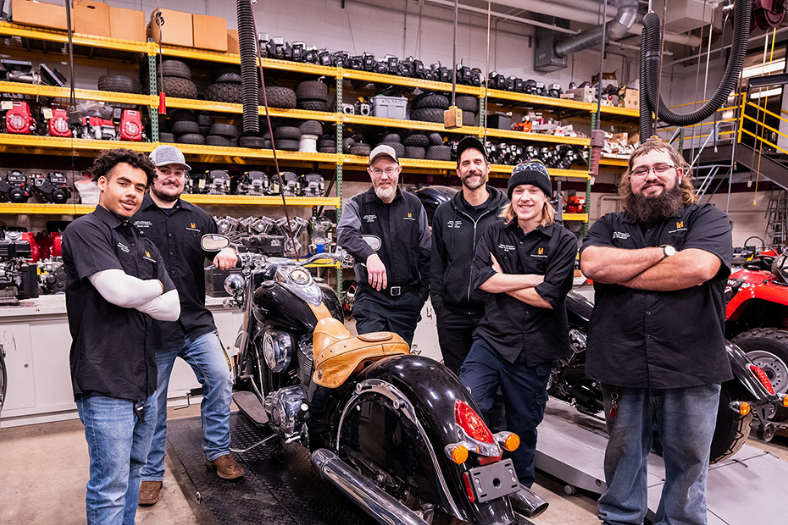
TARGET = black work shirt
x,y
509,325
177,233
112,350
645,339
398,232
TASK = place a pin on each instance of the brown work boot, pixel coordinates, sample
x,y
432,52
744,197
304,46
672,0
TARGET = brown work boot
x,y
150,492
226,467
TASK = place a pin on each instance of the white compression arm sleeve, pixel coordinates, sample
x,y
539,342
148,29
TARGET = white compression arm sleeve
x,y
123,290
166,307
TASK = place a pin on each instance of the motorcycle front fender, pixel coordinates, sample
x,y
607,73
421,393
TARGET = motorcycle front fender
x,y
770,293
398,418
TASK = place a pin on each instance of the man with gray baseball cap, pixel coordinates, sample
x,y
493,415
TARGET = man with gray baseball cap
x,y
176,227
386,230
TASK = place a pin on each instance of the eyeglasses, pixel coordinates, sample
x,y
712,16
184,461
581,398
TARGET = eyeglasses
x,y
659,169
388,171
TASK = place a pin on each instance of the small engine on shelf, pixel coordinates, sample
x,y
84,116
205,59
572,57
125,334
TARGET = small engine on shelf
x,y
131,125
253,183
217,182
53,187
18,279
18,118
59,123
290,184
313,185
14,187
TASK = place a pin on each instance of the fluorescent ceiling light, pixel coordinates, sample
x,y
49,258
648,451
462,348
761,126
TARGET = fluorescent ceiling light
x,y
767,93
763,69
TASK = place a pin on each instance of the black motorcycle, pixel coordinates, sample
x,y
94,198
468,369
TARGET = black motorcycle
x,y
746,401
396,433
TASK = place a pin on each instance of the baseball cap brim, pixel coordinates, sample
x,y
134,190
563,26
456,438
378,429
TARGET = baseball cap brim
x,y
471,143
167,163
383,150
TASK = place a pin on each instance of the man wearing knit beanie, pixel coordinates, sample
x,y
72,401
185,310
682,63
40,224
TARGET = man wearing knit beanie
x,y
525,264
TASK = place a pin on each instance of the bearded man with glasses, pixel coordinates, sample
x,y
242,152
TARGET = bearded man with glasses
x,y
656,335
387,232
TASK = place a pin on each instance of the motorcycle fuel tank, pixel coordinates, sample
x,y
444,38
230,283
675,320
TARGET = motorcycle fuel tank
x,y
279,307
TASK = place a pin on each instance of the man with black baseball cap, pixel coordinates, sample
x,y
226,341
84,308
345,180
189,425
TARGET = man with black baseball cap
x,y
457,227
526,267
387,232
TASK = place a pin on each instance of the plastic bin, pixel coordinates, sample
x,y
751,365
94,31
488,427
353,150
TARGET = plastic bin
x,y
389,107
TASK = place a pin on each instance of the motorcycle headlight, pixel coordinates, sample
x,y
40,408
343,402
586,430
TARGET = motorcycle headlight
x,y
234,284
277,350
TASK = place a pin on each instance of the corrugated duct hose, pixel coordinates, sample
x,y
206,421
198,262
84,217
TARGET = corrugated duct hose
x,y
649,72
248,46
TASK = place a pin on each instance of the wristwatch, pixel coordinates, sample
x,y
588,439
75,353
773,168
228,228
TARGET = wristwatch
x,y
667,251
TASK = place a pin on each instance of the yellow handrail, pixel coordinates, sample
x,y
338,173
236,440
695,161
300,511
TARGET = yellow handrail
x,y
775,146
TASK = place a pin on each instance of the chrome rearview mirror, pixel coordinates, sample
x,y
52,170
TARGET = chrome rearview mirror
x,y
214,242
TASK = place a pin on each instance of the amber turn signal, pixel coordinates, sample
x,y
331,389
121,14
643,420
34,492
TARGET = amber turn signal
x,y
459,454
785,401
512,442
744,408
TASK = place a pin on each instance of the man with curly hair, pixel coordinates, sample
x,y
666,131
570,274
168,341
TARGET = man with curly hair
x,y
116,284
656,335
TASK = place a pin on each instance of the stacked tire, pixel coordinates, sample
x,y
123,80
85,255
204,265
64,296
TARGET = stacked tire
x,y
175,80
470,107
355,146
226,86
429,107
224,135
118,84
312,95
182,127
393,141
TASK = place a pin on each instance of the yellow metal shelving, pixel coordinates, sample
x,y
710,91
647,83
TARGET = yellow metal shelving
x,y
407,124
45,209
622,112
265,200
378,78
538,137
67,144
11,29
582,217
539,101
228,107
503,170
608,161
81,94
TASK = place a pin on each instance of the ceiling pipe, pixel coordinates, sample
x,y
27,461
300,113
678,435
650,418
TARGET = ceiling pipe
x,y
518,19
615,30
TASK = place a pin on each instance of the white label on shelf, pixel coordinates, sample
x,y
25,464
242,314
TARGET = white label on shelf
x,y
47,113
7,104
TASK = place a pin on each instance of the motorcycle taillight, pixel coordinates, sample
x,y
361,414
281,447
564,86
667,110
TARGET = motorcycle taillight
x,y
762,377
466,479
471,422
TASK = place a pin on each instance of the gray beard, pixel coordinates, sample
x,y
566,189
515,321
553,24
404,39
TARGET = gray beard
x,y
470,186
386,195
649,210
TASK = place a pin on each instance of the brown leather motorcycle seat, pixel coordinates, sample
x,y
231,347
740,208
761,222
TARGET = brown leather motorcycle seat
x,y
337,354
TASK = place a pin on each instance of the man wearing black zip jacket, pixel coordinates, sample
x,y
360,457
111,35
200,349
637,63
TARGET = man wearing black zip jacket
x,y
456,229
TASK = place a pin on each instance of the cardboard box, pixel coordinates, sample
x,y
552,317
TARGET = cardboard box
x,y
209,32
232,42
39,14
177,28
630,99
127,24
584,94
91,18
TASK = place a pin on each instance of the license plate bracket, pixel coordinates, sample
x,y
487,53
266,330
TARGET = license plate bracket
x,y
494,481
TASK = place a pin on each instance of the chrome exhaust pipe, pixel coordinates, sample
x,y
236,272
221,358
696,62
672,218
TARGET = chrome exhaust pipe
x,y
364,493
527,502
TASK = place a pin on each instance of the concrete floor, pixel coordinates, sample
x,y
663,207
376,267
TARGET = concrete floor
x,y
44,469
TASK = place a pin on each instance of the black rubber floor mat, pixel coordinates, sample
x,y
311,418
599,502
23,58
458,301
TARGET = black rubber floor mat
x,y
280,486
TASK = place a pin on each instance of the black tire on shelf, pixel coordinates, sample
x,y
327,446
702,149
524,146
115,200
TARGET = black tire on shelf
x,y
326,144
224,92
391,137
205,130
182,127
166,137
768,349
182,114
177,87
468,118
311,89
415,152
347,144
435,139
439,153
332,149
267,144
431,100
427,115
467,103
267,136
119,84
311,127
204,119
313,105
287,144
191,138
234,143
287,132
225,130
329,136
251,142
398,147
417,139
360,149
228,74
217,140
175,68
279,97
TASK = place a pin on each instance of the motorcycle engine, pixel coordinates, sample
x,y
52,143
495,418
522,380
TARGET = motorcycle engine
x,y
277,349
305,359
286,408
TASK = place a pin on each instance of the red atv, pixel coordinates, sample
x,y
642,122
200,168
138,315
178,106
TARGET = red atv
x,y
757,310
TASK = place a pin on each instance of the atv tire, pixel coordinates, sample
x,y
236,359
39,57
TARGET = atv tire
x,y
288,132
218,140
398,147
326,144
347,144
279,97
431,100
332,149
361,150
191,138
467,103
311,127
439,153
118,84
768,349
311,90
176,68
427,115
468,118
288,144
417,139
228,74
225,130
182,127
415,152
251,142
313,105
182,114
166,137
177,87
204,119
435,139
225,92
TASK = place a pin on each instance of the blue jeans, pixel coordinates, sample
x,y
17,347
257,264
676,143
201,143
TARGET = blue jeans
x,y
524,393
118,443
207,358
685,419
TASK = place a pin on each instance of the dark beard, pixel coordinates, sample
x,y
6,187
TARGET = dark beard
x,y
163,197
649,210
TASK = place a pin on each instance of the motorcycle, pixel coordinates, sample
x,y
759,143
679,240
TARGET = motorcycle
x,y
757,312
747,401
396,433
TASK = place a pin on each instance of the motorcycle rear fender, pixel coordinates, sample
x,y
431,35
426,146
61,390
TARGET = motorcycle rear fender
x,y
770,292
424,392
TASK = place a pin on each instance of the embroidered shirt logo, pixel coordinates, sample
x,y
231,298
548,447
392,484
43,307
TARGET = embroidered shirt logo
x,y
142,224
370,218
679,227
148,257
621,235
193,225
454,224
540,251
147,254
409,217
123,247
506,247
540,254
